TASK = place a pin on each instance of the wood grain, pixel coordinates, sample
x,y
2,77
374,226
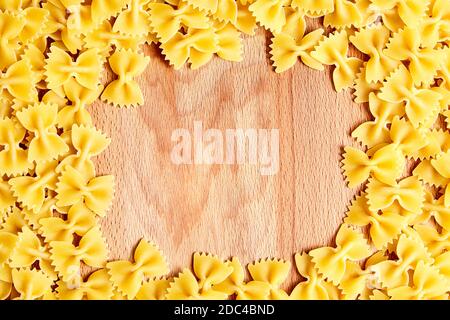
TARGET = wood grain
x,y
228,210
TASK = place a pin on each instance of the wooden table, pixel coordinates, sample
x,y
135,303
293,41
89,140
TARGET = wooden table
x,y
222,209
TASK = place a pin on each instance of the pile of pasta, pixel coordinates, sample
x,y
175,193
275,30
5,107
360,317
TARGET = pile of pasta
x,y
395,239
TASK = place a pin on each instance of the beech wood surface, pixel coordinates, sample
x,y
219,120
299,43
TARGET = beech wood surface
x,y
222,209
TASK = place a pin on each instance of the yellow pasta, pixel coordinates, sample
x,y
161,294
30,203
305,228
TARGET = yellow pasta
x,y
66,257
208,272
333,50
52,57
46,145
128,277
125,91
331,262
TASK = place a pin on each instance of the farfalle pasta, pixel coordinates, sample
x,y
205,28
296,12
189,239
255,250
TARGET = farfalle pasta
x,y
384,227
315,287
331,262
13,158
66,257
208,271
60,68
419,102
96,193
40,119
11,26
52,61
235,284
125,91
386,164
128,277
273,272
333,50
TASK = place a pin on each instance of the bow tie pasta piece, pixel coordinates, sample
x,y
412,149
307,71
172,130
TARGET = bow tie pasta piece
x,y
222,10
166,20
41,120
353,283
31,191
229,45
79,21
345,14
371,41
197,47
96,287
436,27
409,194
407,138
395,273
363,88
7,245
105,9
185,286
153,289
31,284
103,38
428,174
436,208
134,20
35,20
11,26
285,51
88,143
79,221
424,63
209,270
125,91
314,8
420,103
333,51
5,107
442,262
66,257
386,164
13,159
411,12
331,262
227,11
369,14
76,113
435,241
5,281
427,284
96,193
295,25
36,58
19,81
269,13
373,133
315,287
14,221
383,228
440,164
273,272
7,199
33,219
60,68
28,250
128,276
235,284
245,21
437,143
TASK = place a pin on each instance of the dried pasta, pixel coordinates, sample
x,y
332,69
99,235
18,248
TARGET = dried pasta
x,y
394,55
